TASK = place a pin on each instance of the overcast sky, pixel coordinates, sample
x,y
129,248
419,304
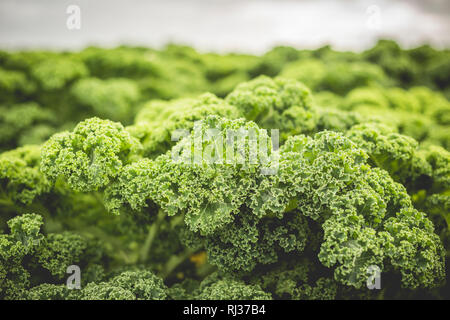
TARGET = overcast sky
x,y
225,25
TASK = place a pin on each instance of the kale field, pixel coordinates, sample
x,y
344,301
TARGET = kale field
x,y
168,174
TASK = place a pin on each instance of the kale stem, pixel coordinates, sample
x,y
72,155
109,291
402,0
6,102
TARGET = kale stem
x,y
5,200
99,198
6,203
175,261
152,232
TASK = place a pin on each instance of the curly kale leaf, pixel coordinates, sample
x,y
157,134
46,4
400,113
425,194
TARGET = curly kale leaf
x,y
129,285
276,103
218,287
208,185
157,121
20,178
90,156
114,99
30,258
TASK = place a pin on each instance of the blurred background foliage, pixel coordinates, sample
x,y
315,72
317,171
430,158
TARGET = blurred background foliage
x,y
44,92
